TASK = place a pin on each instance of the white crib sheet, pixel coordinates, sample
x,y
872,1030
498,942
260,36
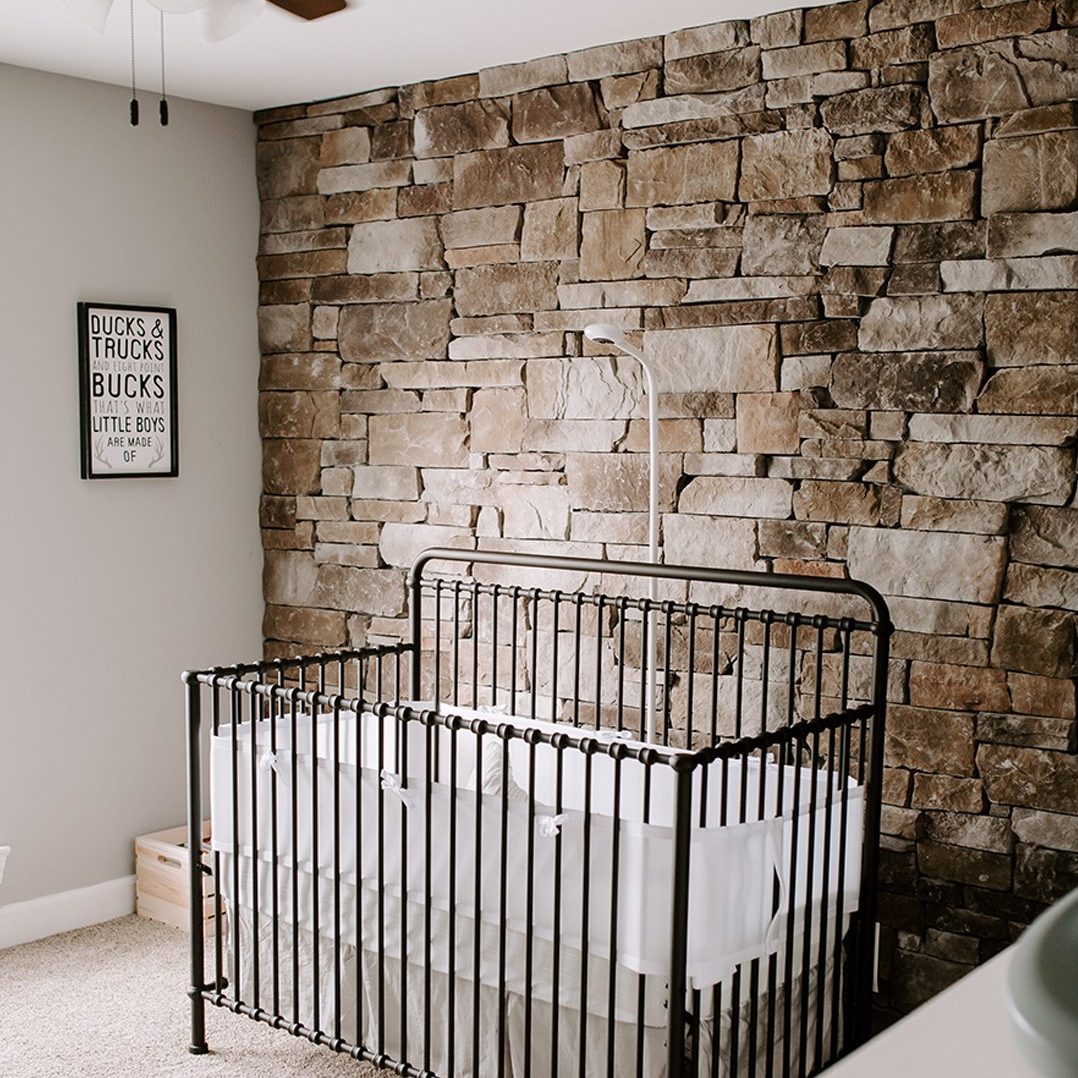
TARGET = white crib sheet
x,y
733,869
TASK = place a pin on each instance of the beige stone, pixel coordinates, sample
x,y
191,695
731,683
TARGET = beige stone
x,y
284,327
722,541
584,388
904,324
716,358
480,228
686,107
617,481
291,465
886,108
902,45
731,289
554,112
1035,585
619,59
1041,642
767,423
1031,391
393,246
347,146
602,185
427,374
804,59
369,333
695,173
451,129
1044,536
805,89
1037,172
857,246
777,244
613,244
551,231
423,440
786,164
838,503
713,71
514,78
393,482
992,429
376,288
714,37
507,346
934,150
497,418
364,177
573,435
533,512
943,515
1036,474
401,544
928,565
778,29
501,177
1009,20
482,290
737,496
1010,274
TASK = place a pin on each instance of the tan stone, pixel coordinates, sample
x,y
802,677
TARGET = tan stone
x,y
619,59
613,244
1041,642
1037,172
713,71
778,29
887,108
695,173
1035,585
857,246
348,146
933,150
737,496
907,381
928,565
507,346
554,112
1036,474
716,358
514,174
376,288
530,286
284,327
393,246
291,465
993,429
479,228
838,503
315,370
1002,77
573,435
714,37
299,414
958,688
1010,20
1031,391
1045,536
551,231
393,482
602,185
352,206
1030,778
788,62
422,440
451,129
320,628
369,333
1036,120
534,512
786,164
1030,234
924,739
767,423
584,388
288,167
944,196
701,540
922,322
513,78
1007,274
497,417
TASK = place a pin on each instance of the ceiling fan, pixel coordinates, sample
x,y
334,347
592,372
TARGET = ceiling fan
x,y
217,18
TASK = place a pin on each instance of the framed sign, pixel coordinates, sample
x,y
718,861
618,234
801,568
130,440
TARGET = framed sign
x,y
127,391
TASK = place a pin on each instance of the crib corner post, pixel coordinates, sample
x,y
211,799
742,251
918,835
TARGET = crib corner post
x,y
198,1045
679,919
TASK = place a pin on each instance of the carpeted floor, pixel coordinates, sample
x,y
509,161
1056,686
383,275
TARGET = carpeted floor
x,y
110,1002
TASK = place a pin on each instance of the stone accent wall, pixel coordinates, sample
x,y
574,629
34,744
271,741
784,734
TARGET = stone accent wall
x,y
847,236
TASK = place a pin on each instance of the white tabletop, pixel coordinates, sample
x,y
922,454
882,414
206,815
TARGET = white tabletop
x,y
963,1031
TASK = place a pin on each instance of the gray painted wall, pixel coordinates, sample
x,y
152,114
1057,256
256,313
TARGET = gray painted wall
x,y
109,589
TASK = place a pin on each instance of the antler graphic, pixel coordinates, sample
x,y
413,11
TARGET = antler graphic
x,y
99,450
158,451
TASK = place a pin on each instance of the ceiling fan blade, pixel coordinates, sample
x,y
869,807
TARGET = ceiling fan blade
x,y
92,12
219,19
311,9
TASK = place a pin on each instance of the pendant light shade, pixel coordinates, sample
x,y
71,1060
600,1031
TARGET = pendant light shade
x,y
92,12
222,18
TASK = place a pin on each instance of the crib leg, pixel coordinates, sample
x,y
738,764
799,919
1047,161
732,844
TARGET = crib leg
x,y
198,1045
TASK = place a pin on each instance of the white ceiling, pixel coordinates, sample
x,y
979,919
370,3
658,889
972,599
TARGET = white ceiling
x,y
283,60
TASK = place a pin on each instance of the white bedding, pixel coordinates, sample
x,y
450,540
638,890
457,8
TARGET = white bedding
x,y
733,873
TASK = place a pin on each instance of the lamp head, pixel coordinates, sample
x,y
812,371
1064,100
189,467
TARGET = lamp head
x,y
604,334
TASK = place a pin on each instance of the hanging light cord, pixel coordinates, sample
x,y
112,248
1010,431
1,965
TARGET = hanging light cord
x,y
164,99
134,95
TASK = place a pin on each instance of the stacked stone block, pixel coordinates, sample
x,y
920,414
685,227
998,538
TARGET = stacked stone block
x,y
848,237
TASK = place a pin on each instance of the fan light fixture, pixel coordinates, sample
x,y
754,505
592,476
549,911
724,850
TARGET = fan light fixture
x,y
217,19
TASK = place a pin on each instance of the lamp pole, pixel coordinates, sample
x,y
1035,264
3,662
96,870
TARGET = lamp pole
x,y
605,334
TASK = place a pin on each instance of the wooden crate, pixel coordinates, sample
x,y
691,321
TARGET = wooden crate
x,y
161,877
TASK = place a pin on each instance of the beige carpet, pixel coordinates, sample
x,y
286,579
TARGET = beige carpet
x,y
110,1002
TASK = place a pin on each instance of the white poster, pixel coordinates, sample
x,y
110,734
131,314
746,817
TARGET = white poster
x,y
127,379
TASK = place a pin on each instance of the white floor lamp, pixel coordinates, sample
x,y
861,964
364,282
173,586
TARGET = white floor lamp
x,y
603,334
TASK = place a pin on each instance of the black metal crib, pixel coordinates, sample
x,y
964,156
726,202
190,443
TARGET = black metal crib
x,y
562,829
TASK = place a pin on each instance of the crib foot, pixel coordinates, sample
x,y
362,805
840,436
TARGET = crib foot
x,y
199,1049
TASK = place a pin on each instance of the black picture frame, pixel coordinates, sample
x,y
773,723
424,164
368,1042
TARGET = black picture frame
x,y
128,408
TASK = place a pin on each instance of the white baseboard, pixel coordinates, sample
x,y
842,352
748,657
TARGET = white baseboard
x,y
23,922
